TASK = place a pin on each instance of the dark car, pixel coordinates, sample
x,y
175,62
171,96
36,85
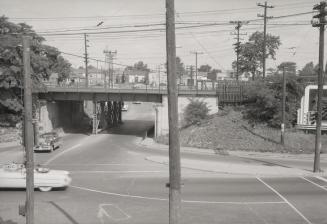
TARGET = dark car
x,y
48,142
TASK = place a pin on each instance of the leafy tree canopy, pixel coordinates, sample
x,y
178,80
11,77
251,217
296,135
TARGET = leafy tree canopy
x,y
195,111
265,100
212,72
289,66
141,66
251,53
45,60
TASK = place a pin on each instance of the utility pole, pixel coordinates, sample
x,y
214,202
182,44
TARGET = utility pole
x,y
28,132
109,59
196,69
174,147
159,66
265,17
86,61
238,43
321,24
282,126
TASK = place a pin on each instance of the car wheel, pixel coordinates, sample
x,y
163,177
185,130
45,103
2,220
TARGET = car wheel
x,y
45,189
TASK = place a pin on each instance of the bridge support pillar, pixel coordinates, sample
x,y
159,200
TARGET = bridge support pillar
x,y
114,114
94,118
120,106
103,123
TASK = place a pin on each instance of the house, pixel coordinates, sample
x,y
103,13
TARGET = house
x,y
136,76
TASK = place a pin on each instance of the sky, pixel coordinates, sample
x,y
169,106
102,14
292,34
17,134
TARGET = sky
x,y
123,20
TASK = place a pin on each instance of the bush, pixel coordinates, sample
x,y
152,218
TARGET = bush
x,y
265,100
195,111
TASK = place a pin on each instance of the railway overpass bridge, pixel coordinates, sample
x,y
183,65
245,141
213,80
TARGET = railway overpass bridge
x,y
105,104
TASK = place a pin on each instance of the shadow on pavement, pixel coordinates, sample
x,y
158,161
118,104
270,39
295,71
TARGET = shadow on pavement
x,y
131,127
69,217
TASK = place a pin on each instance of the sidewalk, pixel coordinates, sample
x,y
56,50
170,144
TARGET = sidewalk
x,y
9,144
253,169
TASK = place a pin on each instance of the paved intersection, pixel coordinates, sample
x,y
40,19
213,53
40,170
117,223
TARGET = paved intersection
x,y
113,183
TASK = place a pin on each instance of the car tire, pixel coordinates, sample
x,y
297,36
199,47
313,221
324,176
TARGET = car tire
x,y
45,189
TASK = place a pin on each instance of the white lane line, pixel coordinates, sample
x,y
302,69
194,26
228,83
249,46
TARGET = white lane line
x,y
322,187
100,164
236,202
118,194
127,171
283,198
185,201
61,153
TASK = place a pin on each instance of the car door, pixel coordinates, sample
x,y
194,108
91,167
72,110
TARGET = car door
x,y
13,178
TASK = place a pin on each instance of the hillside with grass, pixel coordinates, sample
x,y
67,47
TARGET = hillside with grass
x,y
228,130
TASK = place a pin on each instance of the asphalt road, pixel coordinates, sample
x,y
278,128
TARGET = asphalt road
x,y
113,183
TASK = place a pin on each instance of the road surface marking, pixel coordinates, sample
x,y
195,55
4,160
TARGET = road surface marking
x,y
185,201
61,153
127,171
105,212
100,164
236,202
283,198
322,187
118,194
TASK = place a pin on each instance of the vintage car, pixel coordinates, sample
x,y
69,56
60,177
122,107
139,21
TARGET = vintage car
x,y
14,176
125,107
48,142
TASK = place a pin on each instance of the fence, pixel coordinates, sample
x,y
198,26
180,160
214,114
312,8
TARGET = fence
x,y
231,92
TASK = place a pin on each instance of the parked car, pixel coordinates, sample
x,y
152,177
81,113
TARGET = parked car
x,y
137,102
48,142
14,176
125,107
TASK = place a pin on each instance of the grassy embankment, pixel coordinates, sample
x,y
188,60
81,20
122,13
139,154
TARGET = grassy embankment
x,y
227,130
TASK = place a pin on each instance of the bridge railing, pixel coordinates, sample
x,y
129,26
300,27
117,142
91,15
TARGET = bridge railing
x,y
129,87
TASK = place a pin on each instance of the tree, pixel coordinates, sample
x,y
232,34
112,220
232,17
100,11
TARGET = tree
x,y
308,69
251,53
289,66
195,111
139,66
264,98
205,68
180,68
212,72
44,61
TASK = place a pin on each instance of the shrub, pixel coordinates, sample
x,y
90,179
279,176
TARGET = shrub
x,y
265,100
195,111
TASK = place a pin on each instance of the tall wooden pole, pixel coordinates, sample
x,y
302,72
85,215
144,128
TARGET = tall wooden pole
x,y
282,136
264,41
174,147
321,25
86,61
237,44
28,132
196,69
265,17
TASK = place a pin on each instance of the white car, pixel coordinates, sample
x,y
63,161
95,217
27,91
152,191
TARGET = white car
x,y
125,107
14,176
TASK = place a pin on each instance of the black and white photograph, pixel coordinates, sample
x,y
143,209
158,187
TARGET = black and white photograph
x,y
163,112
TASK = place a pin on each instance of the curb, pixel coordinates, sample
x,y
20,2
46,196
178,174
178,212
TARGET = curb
x,y
295,172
